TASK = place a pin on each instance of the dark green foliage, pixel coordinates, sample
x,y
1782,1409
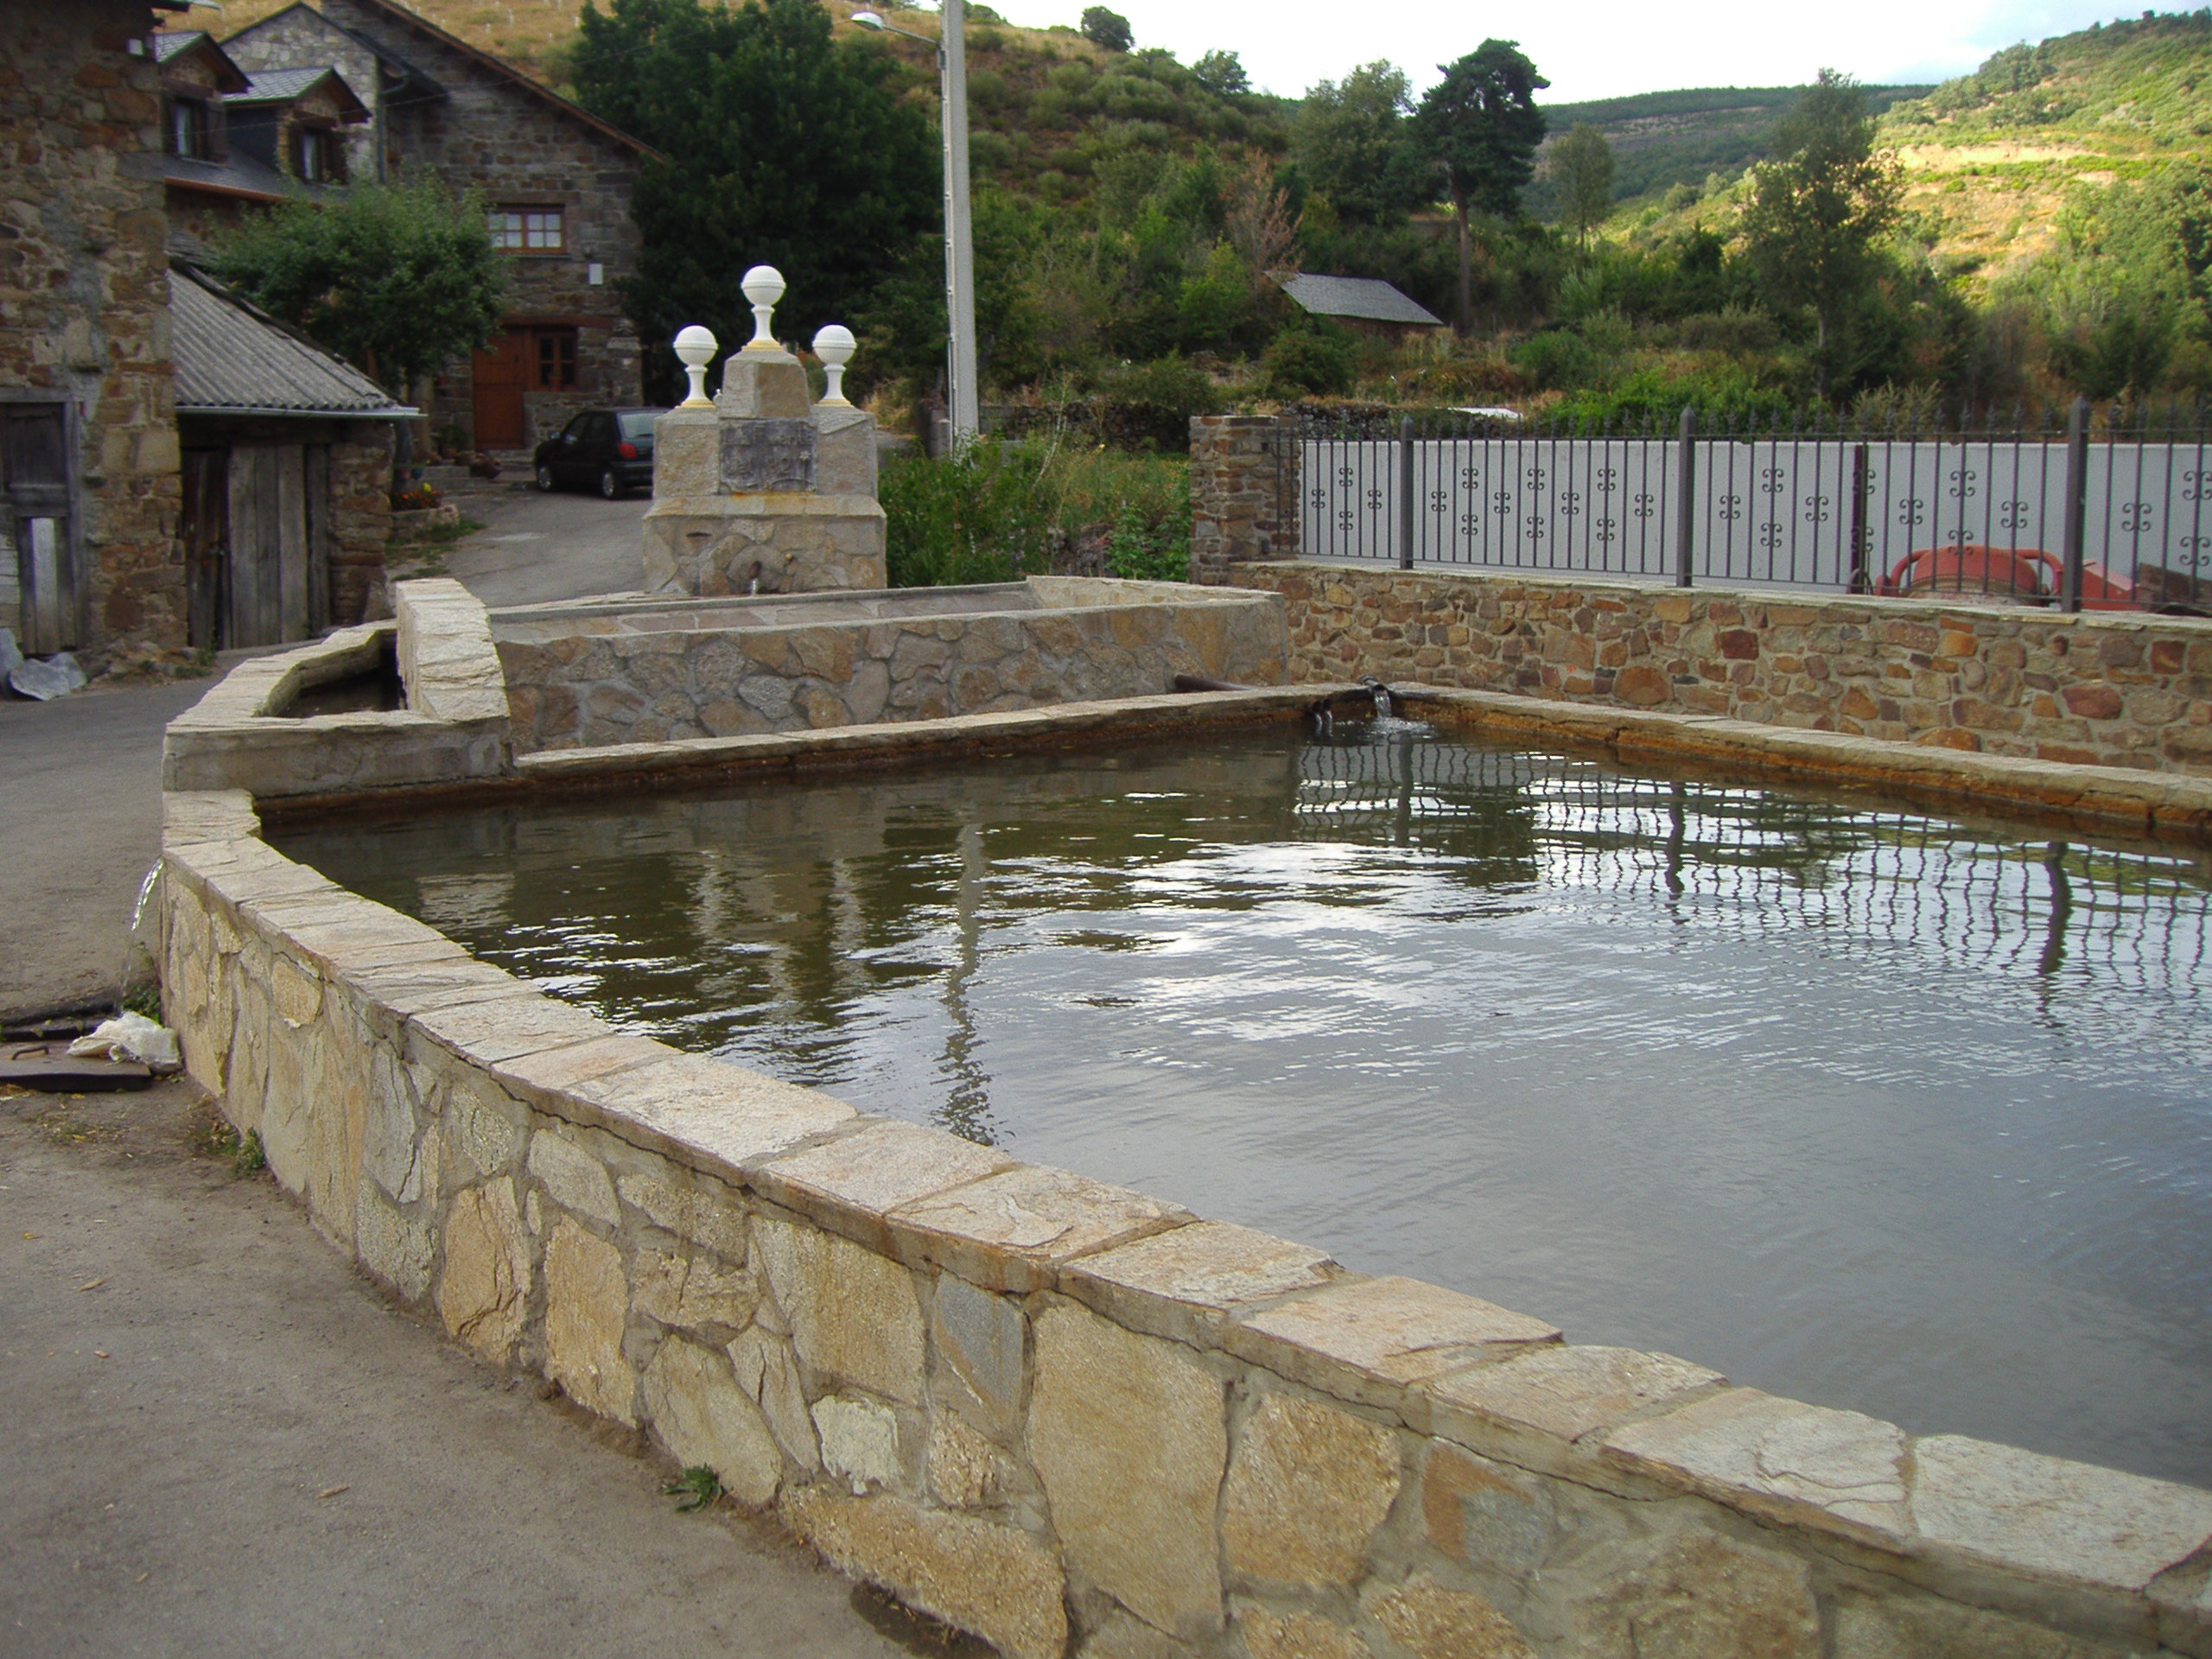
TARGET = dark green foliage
x,y
1107,28
1354,145
1818,213
398,279
1155,402
783,148
1223,74
1480,127
697,1487
2138,74
1314,359
974,517
1140,552
1581,169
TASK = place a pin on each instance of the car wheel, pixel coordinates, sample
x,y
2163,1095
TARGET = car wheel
x,y
609,486
545,478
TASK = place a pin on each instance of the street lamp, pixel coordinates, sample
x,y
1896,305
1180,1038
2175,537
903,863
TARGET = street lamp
x,y
959,236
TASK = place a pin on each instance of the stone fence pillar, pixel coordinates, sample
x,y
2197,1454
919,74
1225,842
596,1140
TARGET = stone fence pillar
x,y
1244,489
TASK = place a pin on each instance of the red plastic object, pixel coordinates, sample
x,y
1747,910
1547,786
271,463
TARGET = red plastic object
x,y
2028,573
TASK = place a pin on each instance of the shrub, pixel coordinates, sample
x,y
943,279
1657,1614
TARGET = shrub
x,y
1556,360
1309,361
1141,552
972,517
1156,400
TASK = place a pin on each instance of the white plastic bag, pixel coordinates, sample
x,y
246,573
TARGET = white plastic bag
x,y
131,1036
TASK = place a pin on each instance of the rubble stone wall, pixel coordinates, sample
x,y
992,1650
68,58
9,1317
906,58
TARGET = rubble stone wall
x,y
2104,689
84,302
1244,485
1062,1416
671,682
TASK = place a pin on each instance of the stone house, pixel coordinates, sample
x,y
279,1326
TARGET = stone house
x,y
89,487
236,144
556,180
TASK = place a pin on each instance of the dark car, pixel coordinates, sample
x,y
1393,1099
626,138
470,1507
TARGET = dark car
x,y
610,450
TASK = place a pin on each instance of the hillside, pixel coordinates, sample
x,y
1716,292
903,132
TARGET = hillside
x,y
1663,139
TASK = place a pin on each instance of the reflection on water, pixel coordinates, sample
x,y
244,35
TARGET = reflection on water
x,y
1855,1105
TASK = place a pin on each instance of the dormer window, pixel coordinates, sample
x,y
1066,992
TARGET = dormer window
x,y
188,129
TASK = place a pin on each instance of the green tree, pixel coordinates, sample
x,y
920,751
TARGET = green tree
x,y
1107,28
1352,142
783,147
1223,74
1581,166
1479,126
399,279
1819,211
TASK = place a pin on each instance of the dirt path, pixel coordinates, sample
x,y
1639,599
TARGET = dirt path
x,y
223,1441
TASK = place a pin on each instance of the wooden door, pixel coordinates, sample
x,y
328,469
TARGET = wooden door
x,y
205,529
270,588
500,375
34,502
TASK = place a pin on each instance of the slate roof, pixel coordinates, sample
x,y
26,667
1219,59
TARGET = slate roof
x,y
233,359
282,86
167,46
236,174
1369,298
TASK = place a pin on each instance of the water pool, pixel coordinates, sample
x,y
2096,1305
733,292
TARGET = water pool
x,y
1866,1106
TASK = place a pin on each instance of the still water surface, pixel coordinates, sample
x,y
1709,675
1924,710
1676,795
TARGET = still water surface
x,y
1859,1106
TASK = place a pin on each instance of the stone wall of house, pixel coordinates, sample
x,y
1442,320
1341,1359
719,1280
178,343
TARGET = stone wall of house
x,y
84,300
520,150
1244,485
360,516
670,682
301,38
1062,1416
2110,689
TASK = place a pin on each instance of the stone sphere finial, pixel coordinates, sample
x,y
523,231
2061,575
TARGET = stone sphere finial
x,y
764,286
695,349
834,345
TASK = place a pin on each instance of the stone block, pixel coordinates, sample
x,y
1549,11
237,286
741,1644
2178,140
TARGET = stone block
x,y
687,453
844,451
397,1250
980,1336
766,456
1186,1283
762,384
1490,1515
695,1108
1297,1636
1700,1595
860,1442
1010,1230
849,1181
1307,1488
575,1180
1431,1622
2052,1518
702,1212
691,1291
484,1291
1536,1402
994,1581
1127,1433
587,1307
1367,1339
853,1315
767,1374
1790,1462
965,1470
700,1416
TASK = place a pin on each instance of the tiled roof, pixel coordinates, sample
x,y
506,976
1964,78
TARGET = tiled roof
x,y
1369,298
232,359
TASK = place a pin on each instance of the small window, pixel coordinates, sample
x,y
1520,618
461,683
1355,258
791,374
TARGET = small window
x,y
526,230
315,156
189,128
556,359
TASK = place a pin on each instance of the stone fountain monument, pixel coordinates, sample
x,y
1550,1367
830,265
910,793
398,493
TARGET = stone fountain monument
x,y
759,490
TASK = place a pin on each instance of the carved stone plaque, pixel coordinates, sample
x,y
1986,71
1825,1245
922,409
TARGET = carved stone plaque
x,y
763,454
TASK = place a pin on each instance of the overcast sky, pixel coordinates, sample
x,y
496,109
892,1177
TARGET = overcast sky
x,y
1595,48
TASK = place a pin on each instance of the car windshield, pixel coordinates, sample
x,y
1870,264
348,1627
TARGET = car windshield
x,y
638,423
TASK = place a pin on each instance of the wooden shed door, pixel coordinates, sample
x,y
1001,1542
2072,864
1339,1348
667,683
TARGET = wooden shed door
x,y
35,513
500,375
269,592
205,529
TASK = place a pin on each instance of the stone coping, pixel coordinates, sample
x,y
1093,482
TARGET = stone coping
x,y
2063,1544
1930,608
2163,804
446,660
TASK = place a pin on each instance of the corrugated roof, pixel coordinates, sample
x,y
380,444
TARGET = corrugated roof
x,y
1366,297
232,359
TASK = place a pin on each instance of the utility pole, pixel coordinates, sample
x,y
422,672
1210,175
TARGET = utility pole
x,y
959,231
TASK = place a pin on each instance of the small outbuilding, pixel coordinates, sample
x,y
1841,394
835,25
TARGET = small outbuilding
x,y
1366,305
287,461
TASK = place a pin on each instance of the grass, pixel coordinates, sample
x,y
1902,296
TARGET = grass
x,y
212,1136
696,1488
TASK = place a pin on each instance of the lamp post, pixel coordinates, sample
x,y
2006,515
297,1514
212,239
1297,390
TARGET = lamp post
x,y
959,236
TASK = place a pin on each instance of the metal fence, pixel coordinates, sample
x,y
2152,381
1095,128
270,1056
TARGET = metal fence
x,y
2104,510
